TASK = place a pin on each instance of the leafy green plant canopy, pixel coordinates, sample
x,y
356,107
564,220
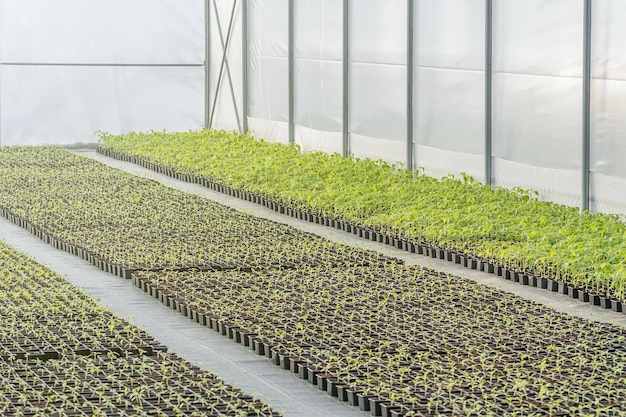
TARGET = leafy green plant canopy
x,y
511,228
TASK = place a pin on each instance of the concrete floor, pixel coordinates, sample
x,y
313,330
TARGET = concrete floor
x,y
232,362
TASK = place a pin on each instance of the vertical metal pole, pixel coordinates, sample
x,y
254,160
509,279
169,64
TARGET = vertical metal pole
x,y
291,74
207,63
244,60
488,89
346,73
586,107
409,86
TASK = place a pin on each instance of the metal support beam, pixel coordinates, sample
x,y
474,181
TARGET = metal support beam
x,y
291,74
586,107
409,85
244,61
488,89
346,73
207,63
224,64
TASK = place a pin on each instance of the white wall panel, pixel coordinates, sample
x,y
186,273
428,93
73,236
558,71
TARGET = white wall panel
x,y
269,130
558,185
269,89
118,65
378,42
318,140
609,194
99,31
538,37
377,148
318,94
608,107
318,51
537,120
449,103
68,104
268,70
440,162
608,127
318,27
378,101
378,31
450,110
537,97
450,34
609,39
268,27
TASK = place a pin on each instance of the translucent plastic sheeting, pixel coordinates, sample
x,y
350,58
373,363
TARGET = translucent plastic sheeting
x,y
609,39
72,67
608,101
269,130
268,72
609,194
226,111
318,140
103,32
537,120
450,34
318,29
378,42
608,127
537,96
541,37
560,185
68,104
440,162
318,53
375,148
318,94
449,109
378,101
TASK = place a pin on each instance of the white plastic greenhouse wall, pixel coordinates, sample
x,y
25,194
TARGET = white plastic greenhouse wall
x,y
527,94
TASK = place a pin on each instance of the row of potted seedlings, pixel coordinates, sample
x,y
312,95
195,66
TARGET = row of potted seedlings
x,y
119,385
391,339
404,341
124,223
63,355
42,316
501,229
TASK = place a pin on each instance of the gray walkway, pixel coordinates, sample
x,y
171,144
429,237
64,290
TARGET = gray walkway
x,y
232,362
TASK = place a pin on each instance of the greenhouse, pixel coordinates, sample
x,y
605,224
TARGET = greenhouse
x,y
312,208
